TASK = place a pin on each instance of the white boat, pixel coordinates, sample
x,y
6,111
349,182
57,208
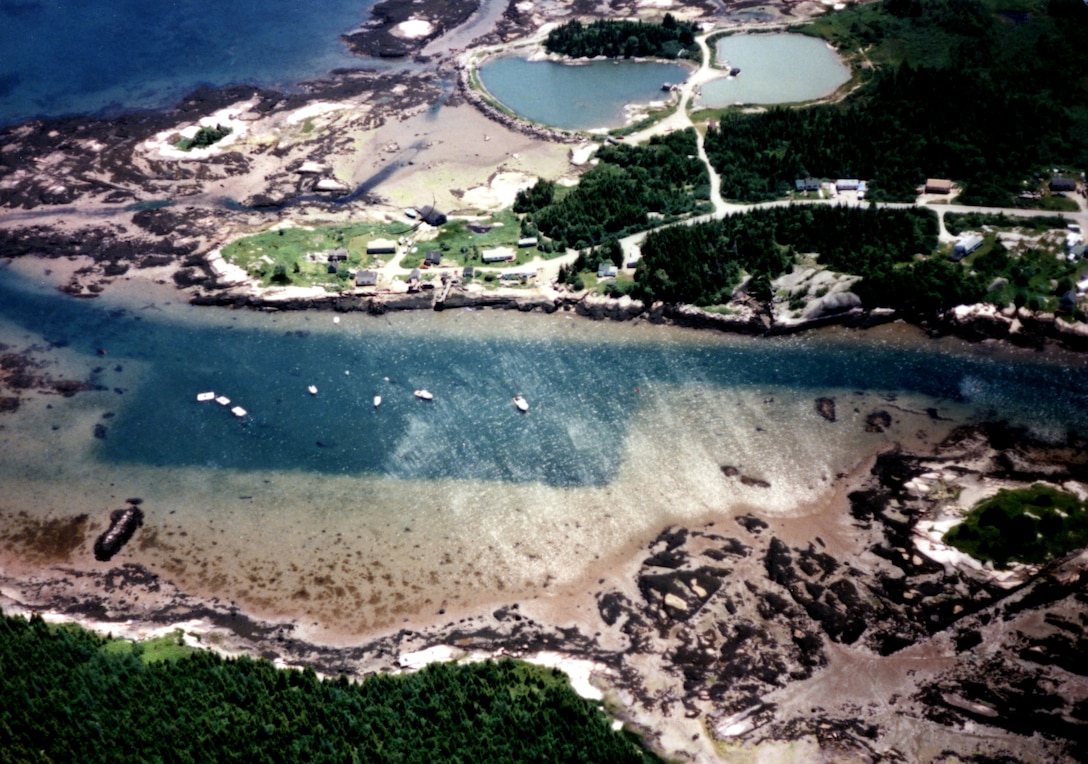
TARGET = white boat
x,y
312,389
377,401
223,400
204,397
521,403
424,395
238,411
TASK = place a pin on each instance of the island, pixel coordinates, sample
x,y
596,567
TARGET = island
x,y
925,604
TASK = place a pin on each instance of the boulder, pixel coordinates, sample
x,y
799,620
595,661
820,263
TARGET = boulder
x,y
832,305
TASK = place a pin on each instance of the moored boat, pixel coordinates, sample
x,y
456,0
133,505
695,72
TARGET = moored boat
x,y
521,403
312,389
377,401
238,411
203,397
223,400
424,395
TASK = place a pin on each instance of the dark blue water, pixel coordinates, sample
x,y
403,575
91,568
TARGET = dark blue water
x,y
66,57
584,393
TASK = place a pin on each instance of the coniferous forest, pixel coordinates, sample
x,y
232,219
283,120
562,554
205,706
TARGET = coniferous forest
x,y
631,188
625,39
65,698
702,263
961,90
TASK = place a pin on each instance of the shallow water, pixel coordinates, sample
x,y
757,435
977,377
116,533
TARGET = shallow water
x,y
580,96
774,68
325,509
68,57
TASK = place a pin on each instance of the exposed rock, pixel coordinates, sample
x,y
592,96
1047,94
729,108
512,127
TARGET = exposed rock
x,y
831,305
825,407
878,421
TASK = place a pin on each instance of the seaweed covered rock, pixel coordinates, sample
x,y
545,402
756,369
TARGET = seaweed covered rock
x,y
123,523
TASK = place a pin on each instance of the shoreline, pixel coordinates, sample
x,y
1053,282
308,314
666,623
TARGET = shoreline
x,y
637,636
709,637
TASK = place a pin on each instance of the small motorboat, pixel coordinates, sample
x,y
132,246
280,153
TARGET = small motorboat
x,y
223,400
312,389
204,397
424,395
521,403
377,401
238,411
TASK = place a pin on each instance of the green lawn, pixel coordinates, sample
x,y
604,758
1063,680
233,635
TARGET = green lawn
x,y
165,648
260,253
460,246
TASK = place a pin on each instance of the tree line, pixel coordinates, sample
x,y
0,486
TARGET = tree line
x,y
625,39
66,699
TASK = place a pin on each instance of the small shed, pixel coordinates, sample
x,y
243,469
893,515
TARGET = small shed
x,y
431,216
331,268
434,257
965,245
468,272
938,186
366,278
607,270
478,227
807,184
414,275
1063,184
527,241
381,247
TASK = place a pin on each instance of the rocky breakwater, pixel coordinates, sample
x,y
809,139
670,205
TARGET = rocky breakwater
x,y
507,119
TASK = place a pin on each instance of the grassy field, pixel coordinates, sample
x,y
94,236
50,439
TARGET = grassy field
x,y
165,648
302,252
298,256
460,246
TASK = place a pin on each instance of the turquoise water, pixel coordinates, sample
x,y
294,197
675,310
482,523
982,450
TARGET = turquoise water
x,y
775,68
66,57
585,392
576,96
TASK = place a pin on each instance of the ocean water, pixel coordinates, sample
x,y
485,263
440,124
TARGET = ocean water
x,y
65,57
327,510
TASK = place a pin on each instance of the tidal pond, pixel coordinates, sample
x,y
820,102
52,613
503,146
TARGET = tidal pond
x,y
774,68
577,96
